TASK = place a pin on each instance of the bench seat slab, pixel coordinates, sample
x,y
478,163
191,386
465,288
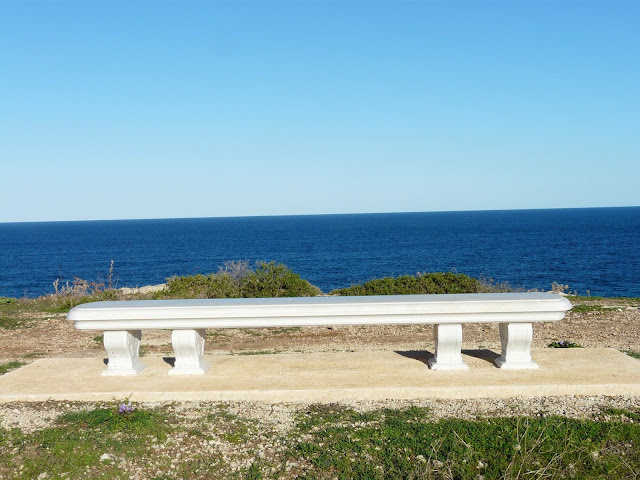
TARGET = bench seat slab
x,y
188,346
123,350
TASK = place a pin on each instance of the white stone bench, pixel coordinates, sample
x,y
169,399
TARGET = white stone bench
x,y
123,322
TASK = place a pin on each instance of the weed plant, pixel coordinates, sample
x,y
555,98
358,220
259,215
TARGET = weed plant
x,y
564,344
8,367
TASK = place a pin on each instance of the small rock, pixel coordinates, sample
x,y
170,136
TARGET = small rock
x,y
146,289
153,288
105,457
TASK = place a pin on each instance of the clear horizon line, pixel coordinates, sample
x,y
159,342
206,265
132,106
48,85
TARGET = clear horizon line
x,y
316,214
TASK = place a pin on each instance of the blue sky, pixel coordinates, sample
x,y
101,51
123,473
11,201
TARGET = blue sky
x,y
133,109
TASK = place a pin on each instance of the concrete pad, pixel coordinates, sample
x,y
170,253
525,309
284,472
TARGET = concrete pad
x,y
330,377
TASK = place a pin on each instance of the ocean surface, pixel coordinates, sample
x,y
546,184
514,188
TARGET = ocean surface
x,y
595,251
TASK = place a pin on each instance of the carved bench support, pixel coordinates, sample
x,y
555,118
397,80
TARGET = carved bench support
x,y
448,339
188,346
123,349
516,346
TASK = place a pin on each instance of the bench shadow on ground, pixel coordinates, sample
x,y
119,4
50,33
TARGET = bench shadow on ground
x,y
424,355
169,360
419,355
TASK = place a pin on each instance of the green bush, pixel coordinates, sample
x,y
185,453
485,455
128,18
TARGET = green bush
x,y
275,280
427,283
215,285
269,279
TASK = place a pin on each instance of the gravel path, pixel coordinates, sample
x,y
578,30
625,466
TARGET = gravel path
x,y
31,416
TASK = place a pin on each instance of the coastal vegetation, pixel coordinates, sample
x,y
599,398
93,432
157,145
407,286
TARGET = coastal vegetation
x,y
421,283
238,280
233,280
126,440
161,442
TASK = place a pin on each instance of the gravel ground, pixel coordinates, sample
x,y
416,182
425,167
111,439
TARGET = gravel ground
x,y
268,428
280,417
615,324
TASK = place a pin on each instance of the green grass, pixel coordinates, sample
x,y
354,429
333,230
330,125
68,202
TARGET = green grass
x,y
16,313
259,352
632,353
25,312
284,330
75,444
626,300
216,334
634,416
34,355
326,441
252,332
400,444
588,308
11,323
8,367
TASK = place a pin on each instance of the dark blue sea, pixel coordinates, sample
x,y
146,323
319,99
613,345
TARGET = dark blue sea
x,y
595,251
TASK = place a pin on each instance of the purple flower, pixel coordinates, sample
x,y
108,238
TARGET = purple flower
x,y
125,408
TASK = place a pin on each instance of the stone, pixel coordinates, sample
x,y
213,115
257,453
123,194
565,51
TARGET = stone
x,y
124,321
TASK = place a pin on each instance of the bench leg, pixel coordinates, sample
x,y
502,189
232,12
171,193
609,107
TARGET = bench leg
x,y
123,349
516,346
188,346
448,356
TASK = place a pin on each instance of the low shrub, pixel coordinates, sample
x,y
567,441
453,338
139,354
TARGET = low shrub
x,y
215,285
269,279
275,280
422,283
